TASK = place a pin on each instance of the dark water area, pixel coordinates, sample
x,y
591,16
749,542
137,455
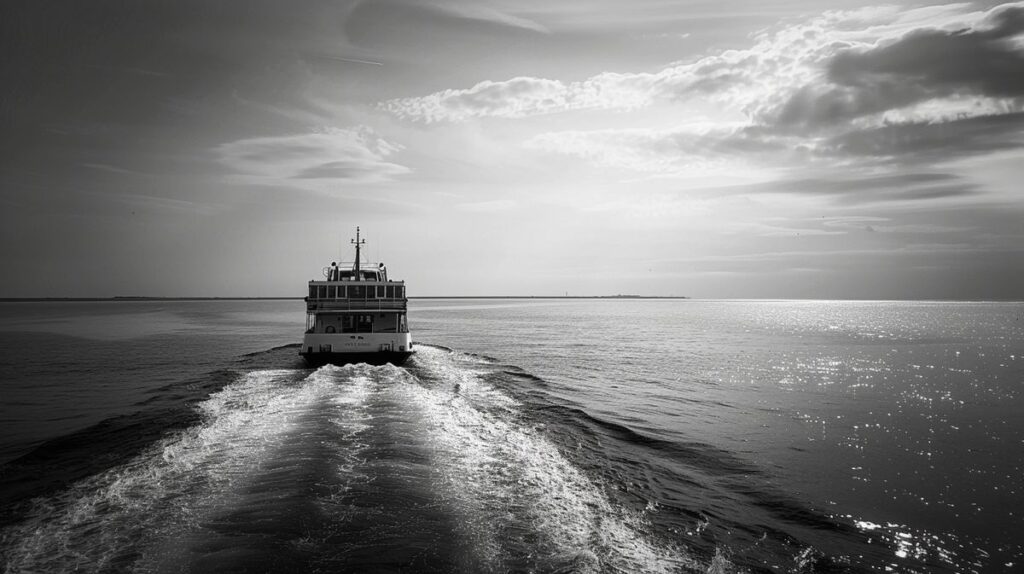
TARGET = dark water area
x,y
524,436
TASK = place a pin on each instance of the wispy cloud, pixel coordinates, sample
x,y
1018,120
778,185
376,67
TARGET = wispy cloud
x,y
688,150
477,11
330,58
329,156
925,142
861,188
520,97
110,168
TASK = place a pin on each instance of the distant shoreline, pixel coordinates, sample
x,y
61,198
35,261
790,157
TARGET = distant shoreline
x,y
131,299
485,297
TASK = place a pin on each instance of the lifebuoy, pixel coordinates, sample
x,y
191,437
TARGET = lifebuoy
x,y
329,329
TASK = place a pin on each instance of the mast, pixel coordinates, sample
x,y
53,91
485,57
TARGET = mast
x,y
357,242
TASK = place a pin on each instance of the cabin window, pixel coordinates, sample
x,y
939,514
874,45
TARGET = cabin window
x,y
389,291
332,292
322,292
364,323
357,292
312,291
341,292
348,323
400,291
380,291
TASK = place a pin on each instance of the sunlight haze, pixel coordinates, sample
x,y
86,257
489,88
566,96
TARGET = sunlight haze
x,y
781,149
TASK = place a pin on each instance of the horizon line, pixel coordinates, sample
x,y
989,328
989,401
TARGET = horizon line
x,y
143,298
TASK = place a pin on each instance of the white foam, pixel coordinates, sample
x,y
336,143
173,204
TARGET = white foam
x,y
509,485
503,474
102,522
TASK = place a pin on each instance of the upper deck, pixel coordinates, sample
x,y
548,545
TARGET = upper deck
x,y
342,295
358,288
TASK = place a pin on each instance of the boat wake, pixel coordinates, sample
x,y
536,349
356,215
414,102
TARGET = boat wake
x,y
357,468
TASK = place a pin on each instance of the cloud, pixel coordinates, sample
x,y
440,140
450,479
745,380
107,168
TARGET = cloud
x,y
110,168
981,60
760,80
870,184
520,97
926,142
481,13
881,188
513,98
984,59
767,261
335,156
871,85
689,150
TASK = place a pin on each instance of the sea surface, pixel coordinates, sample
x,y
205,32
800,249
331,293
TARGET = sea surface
x,y
533,435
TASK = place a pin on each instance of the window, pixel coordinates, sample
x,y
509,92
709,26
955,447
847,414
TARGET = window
x,y
348,323
322,292
312,291
332,292
364,324
390,292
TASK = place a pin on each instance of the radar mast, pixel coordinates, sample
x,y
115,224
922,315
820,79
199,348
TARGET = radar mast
x,y
357,242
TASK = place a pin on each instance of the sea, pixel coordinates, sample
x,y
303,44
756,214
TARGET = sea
x,y
525,435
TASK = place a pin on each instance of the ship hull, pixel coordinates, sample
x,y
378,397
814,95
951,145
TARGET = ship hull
x,y
396,358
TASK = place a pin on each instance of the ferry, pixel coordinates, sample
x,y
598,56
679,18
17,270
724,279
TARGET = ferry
x,y
356,315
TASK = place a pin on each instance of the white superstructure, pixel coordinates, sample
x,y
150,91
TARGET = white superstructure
x,y
356,315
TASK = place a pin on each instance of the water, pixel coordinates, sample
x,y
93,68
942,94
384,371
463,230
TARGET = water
x,y
525,436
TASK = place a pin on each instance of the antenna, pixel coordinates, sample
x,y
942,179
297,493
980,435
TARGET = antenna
x,y
357,242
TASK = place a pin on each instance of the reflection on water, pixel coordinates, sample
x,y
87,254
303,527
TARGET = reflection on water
x,y
567,435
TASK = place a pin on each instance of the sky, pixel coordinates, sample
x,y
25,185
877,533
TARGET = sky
x,y
712,149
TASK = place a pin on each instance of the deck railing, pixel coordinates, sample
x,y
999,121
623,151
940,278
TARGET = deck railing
x,y
355,304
